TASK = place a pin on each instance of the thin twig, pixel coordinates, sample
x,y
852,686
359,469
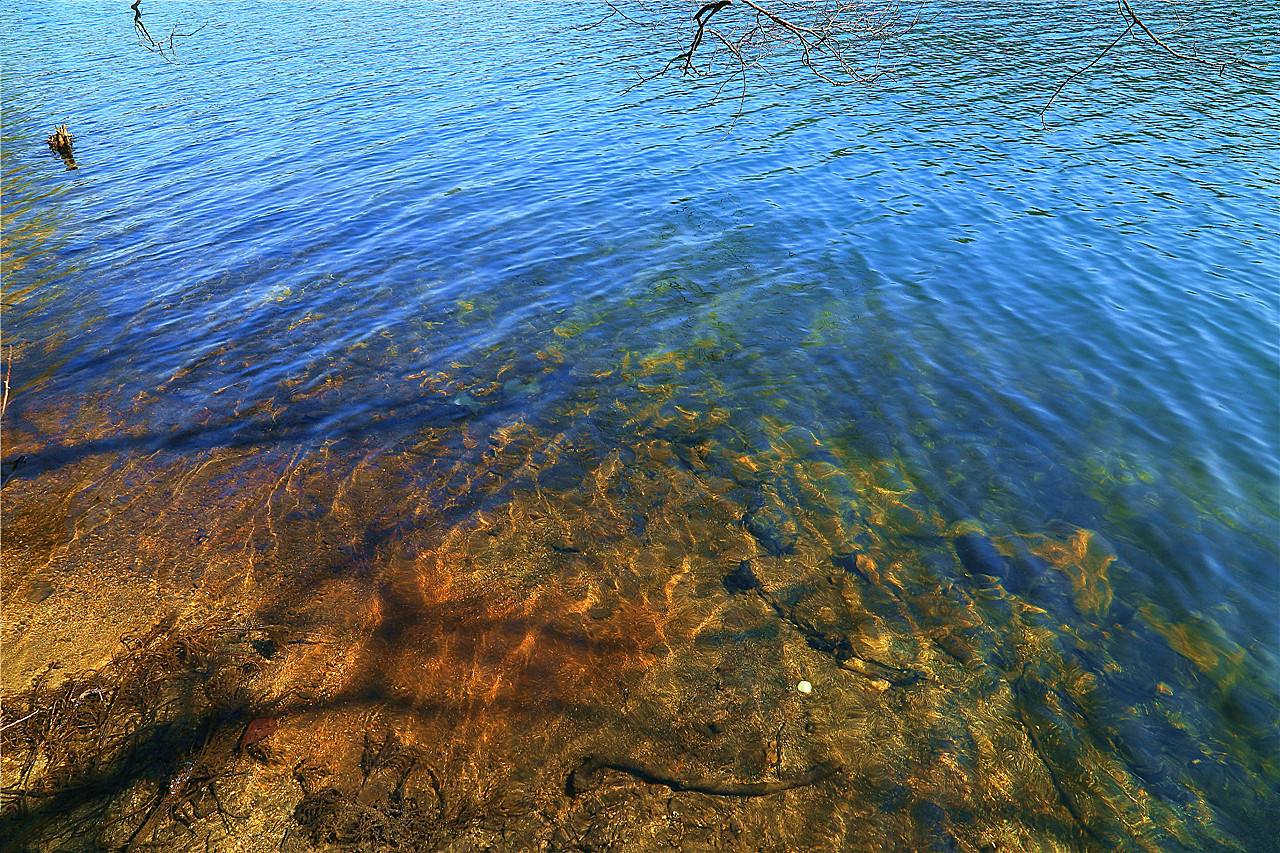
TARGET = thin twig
x,y
1135,21
1080,71
166,47
8,375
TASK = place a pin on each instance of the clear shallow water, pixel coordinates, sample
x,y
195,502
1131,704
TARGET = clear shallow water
x,y
324,232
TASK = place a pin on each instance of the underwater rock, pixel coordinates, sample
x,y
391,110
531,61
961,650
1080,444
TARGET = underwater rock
x,y
521,387
258,730
769,526
849,563
1026,571
1142,750
741,579
933,818
980,557
9,467
466,401
39,590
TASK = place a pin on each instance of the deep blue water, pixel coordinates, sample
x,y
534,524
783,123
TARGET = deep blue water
x,y
1043,328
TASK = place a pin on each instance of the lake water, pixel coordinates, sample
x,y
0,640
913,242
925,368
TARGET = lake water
x,y
531,418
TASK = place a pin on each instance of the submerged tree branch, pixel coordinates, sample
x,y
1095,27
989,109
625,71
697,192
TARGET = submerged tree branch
x,y
580,779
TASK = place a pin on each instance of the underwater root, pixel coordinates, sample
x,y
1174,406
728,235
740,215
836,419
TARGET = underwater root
x,y
158,724
580,779
384,810
1068,802
836,646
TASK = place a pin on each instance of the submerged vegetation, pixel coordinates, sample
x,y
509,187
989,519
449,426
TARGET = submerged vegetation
x,y
525,638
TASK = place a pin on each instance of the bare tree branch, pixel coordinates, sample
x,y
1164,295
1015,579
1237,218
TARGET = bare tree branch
x,y
1080,71
1134,21
841,42
165,46
1218,64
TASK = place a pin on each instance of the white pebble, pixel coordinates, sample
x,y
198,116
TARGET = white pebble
x,y
805,687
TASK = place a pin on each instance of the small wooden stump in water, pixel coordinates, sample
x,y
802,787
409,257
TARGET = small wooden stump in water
x,y
60,144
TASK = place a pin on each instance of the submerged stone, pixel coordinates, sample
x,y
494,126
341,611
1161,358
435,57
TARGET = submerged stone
x,y
849,563
980,557
741,579
771,528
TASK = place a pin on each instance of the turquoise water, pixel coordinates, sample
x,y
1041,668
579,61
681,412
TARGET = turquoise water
x,y
1041,330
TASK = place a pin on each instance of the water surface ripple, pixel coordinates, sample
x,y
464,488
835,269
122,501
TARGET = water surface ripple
x,y
328,230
